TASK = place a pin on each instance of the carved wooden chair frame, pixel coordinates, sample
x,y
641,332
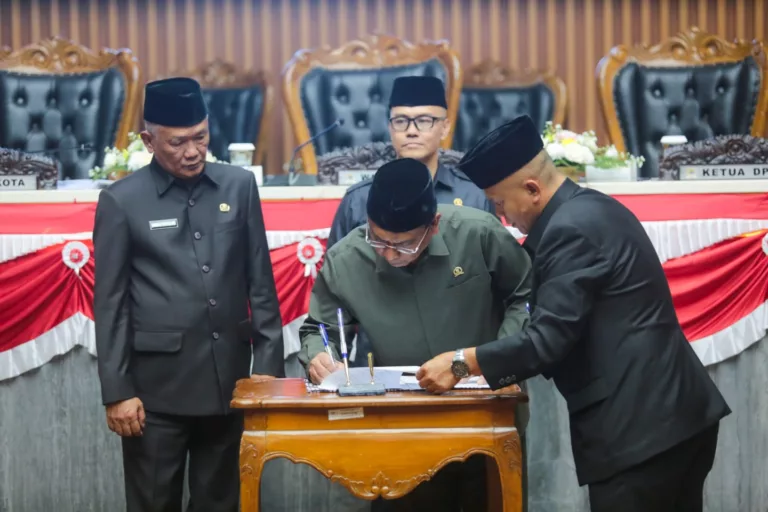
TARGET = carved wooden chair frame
x,y
370,52
692,48
59,56
219,74
492,74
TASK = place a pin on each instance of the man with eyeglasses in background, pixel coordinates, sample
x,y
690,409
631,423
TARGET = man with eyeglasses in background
x,y
418,123
421,280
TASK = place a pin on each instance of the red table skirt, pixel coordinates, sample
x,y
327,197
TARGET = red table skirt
x,y
713,247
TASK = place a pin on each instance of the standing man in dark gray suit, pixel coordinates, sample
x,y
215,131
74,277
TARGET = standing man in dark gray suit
x,y
644,413
182,254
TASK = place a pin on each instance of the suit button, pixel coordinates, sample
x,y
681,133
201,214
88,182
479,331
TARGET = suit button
x,y
215,335
501,381
212,302
191,202
198,236
206,268
508,380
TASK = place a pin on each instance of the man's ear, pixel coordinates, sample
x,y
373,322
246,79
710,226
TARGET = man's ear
x,y
146,138
533,187
446,129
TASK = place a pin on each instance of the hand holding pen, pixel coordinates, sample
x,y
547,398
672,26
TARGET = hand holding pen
x,y
323,364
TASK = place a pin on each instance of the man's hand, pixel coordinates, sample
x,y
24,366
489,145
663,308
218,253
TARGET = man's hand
x,y
321,366
126,418
436,376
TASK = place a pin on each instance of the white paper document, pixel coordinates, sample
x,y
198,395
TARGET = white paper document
x,y
360,375
394,378
408,382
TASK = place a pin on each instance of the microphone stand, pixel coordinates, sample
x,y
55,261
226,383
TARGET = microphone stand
x,y
292,176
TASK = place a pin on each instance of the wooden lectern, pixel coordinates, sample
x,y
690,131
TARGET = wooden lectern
x,y
400,439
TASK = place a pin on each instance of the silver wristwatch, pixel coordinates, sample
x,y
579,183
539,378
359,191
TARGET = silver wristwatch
x,y
459,366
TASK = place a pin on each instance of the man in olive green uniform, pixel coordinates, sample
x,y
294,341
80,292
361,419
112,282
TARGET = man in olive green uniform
x,y
420,280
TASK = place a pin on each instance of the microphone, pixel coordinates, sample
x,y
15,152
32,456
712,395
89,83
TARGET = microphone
x,y
292,178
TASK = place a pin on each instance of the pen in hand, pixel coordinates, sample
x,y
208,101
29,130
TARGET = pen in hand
x,y
324,335
343,342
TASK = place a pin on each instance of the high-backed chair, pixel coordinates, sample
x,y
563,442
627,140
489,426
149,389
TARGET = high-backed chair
x,y
493,95
695,84
56,96
239,106
353,83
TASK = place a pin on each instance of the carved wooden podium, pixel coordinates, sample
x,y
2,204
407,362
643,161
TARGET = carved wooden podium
x,y
400,439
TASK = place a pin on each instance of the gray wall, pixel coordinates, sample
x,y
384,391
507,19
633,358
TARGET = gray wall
x,y
57,454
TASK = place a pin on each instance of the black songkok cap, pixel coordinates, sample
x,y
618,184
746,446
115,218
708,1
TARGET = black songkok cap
x,y
402,196
417,91
503,152
174,102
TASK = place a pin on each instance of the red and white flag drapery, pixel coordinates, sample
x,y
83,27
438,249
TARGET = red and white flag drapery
x,y
717,271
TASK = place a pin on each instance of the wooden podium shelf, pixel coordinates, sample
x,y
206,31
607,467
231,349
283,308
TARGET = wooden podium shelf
x,y
400,439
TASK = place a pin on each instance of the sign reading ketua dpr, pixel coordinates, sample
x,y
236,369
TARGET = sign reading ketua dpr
x,y
18,182
724,172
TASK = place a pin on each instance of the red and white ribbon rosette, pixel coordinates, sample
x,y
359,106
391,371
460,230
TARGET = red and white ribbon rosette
x,y
310,252
75,255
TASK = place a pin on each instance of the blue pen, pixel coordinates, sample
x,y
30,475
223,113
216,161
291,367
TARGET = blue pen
x,y
324,335
345,360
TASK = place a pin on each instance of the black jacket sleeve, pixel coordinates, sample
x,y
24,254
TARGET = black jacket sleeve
x,y
342,222
111,299
266,323
571,271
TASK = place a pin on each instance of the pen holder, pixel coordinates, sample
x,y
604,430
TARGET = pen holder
x,y
362,390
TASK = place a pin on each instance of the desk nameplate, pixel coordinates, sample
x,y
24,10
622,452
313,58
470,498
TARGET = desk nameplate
x,y
350,178
351,413
724,172
13,182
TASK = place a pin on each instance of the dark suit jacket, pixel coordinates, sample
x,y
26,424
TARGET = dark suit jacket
x,y
603,326
177,266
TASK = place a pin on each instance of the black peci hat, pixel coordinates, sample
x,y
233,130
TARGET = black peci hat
x,y
175,102
402,196
501,153
417,91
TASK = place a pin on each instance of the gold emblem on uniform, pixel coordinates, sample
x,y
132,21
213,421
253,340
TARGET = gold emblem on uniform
x,y
458,201
458,271
224,207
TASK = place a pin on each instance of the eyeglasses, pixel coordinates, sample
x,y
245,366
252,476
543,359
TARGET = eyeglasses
x,y
401,248
422,123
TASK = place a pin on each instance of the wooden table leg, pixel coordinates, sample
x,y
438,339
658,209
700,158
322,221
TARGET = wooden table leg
x,y
252,451
509,459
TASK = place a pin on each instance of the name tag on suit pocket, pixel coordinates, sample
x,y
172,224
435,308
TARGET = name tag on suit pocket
x,y
163,224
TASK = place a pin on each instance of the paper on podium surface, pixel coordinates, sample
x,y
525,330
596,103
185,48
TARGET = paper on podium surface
x,y
361,375
411,370
409,382
394,378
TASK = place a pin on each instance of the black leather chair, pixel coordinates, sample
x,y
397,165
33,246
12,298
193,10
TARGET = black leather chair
x,y
239,107
353,83
695,84
56,96
493,95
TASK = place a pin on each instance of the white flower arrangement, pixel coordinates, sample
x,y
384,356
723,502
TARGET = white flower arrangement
x,y
574,150
119,162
